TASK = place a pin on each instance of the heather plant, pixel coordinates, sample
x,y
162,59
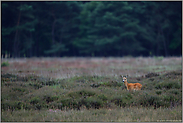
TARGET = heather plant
x,y
95,95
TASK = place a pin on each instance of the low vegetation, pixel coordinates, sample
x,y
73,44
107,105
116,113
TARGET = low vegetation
x,y
91,98
4,64
37,93
120,114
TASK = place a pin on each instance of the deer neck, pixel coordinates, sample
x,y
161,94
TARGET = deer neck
x,y
126,83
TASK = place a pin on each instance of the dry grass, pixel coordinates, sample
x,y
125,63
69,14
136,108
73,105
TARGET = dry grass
x,y
131,114
70,67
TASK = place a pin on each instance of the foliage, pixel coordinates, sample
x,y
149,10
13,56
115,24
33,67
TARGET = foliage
x,y
95,28
161,94
168,85
4,64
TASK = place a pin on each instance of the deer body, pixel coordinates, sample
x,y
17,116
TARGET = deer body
x,y
132,86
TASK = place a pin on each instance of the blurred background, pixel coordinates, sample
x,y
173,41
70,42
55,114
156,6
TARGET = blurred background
x,y
97,29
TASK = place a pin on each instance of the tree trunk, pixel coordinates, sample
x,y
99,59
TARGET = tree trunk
x,y
164,43
16,41
30,50
53,34
157,44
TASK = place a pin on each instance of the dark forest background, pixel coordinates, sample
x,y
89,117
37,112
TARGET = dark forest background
x,y
118,28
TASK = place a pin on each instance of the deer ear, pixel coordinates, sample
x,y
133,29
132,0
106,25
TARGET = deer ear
x,y
121,76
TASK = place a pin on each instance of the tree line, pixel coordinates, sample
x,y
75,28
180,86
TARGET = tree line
x,y
95,28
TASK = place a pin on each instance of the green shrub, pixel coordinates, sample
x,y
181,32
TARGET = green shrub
x,y
163,100
66,102
78,98
35,100
168,85
158,92
38,106
111,83
8,77
5,104
83,97
55,105
37,103
169,98
177,85
110,93
119,101
102,97
36,85
95,85
69,103
49,98
142,100
50,83
19,89
92,102
81,93
123,100
151,99
146,99
175,91
4,64
160,102
13,105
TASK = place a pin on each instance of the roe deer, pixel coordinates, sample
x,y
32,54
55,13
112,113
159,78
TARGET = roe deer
x,y
131,86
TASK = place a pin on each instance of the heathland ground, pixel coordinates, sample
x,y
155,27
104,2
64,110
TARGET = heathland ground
x,y
90,89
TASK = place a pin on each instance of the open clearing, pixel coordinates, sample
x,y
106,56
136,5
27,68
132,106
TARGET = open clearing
x,y
90,89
